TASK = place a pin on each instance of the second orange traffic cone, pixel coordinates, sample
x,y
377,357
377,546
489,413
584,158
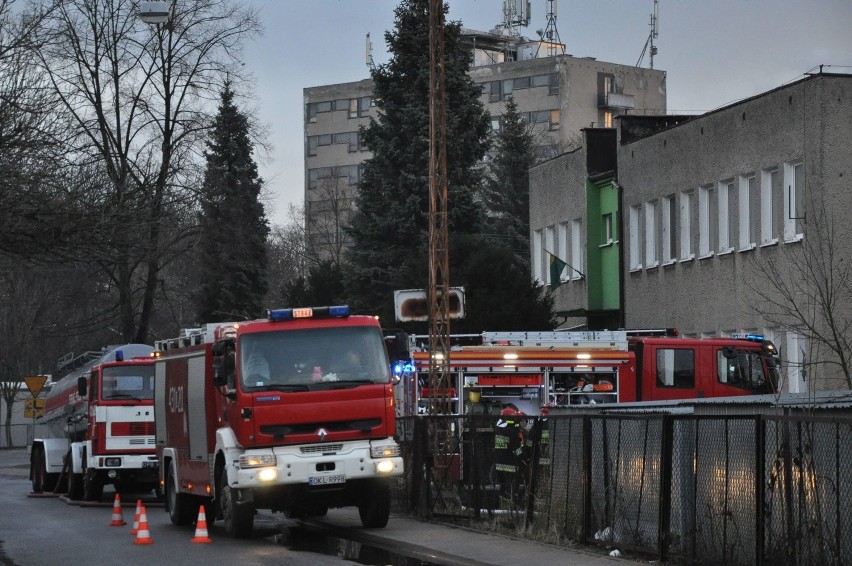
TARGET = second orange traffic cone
x,y
117,518
135,528
201,527
142,535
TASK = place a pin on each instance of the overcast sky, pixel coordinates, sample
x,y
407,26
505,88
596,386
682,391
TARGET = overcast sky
x,y
714,53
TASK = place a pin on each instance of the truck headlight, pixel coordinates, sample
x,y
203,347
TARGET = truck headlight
x,y
257,460
384,451
267,474
384,466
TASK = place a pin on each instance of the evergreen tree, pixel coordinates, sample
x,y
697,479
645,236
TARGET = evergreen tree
x,y
234,228
390,231
507,187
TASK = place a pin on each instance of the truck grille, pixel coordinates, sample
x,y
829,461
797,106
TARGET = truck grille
x,y
144,428
321,448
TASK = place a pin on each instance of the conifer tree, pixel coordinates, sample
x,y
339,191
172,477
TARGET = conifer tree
x,y
234,228
507,188
390,231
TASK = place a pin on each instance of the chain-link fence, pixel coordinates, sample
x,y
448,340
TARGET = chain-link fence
x,y
711,489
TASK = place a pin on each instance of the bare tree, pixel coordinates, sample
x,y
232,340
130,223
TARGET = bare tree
x,y
328,213
286,256
138,101
807,288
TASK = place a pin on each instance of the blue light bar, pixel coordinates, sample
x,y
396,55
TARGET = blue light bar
x,y
119,355
752,337
277,315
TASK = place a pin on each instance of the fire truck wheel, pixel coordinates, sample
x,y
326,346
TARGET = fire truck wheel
x,y
374,509
177,504
238,520
93,486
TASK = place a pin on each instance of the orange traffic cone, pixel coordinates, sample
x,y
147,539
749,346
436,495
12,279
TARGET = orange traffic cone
x,y
135,528
117,518
142,535
201,527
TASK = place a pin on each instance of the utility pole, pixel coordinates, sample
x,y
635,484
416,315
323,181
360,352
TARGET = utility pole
x,y
439,271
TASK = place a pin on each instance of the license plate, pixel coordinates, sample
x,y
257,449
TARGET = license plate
x,y
326,480
150,464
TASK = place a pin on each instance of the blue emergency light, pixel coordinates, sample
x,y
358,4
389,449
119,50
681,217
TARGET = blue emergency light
x,y
751,337
119,355
278,315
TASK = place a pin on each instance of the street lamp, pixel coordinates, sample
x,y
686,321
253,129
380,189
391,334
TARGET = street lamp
x,y
155,12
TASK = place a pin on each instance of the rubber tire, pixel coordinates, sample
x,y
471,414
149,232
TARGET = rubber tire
x,y
238,520
93,486
179,505
374,509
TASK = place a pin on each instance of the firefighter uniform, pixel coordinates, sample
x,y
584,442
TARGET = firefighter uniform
x,y
508,448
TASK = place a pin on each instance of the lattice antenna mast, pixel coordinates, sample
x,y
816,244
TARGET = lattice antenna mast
x,y
550,35
439,271
654,34
368,47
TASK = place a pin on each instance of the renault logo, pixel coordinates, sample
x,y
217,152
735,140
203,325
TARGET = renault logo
x,y
322,433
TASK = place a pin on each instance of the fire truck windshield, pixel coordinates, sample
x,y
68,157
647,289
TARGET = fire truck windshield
x,y
293,360
128,382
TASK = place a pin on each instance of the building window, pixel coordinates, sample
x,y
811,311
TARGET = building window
x,y
496,124
495,92
651,234
675,368
607,119
686,225
606,229
633,221
794,201
576,249
704,196
795,362
563,249
554,84
508,87
747,199
768,225
549,241
538,251
726,217
554,119
521,83
669,218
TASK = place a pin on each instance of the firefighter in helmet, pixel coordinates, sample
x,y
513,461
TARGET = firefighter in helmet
x,y
508,449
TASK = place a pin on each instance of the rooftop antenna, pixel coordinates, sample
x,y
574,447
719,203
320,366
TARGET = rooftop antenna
x,y
655,32
516,14
550,34
369,49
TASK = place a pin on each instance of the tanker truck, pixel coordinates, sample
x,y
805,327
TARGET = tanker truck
x,y
98,427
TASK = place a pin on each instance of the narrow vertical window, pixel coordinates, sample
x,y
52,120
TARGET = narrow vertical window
x,y
633,220
685,226
768,225
564,251
669,225
549,241
576,249
726,219
538,251
651,234
704,194
746,197
794,200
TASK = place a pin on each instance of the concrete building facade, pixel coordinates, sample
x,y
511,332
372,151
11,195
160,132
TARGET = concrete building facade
x,y
728,222
556,93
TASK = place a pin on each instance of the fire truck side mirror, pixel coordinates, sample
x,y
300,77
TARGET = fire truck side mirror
x,y
223,362
82,386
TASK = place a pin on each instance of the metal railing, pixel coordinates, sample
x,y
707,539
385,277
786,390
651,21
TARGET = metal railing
x,y
709,489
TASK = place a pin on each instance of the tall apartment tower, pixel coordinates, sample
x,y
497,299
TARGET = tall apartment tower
x,y
557,93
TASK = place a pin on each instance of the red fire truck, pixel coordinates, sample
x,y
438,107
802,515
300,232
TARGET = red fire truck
x,y
294,413
532,371
99,426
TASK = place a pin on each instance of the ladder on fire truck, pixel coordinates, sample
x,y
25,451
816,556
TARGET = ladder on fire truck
x,y
591,339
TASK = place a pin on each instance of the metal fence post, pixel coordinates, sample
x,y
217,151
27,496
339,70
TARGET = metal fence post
x,y
587,480
759,486
665,510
